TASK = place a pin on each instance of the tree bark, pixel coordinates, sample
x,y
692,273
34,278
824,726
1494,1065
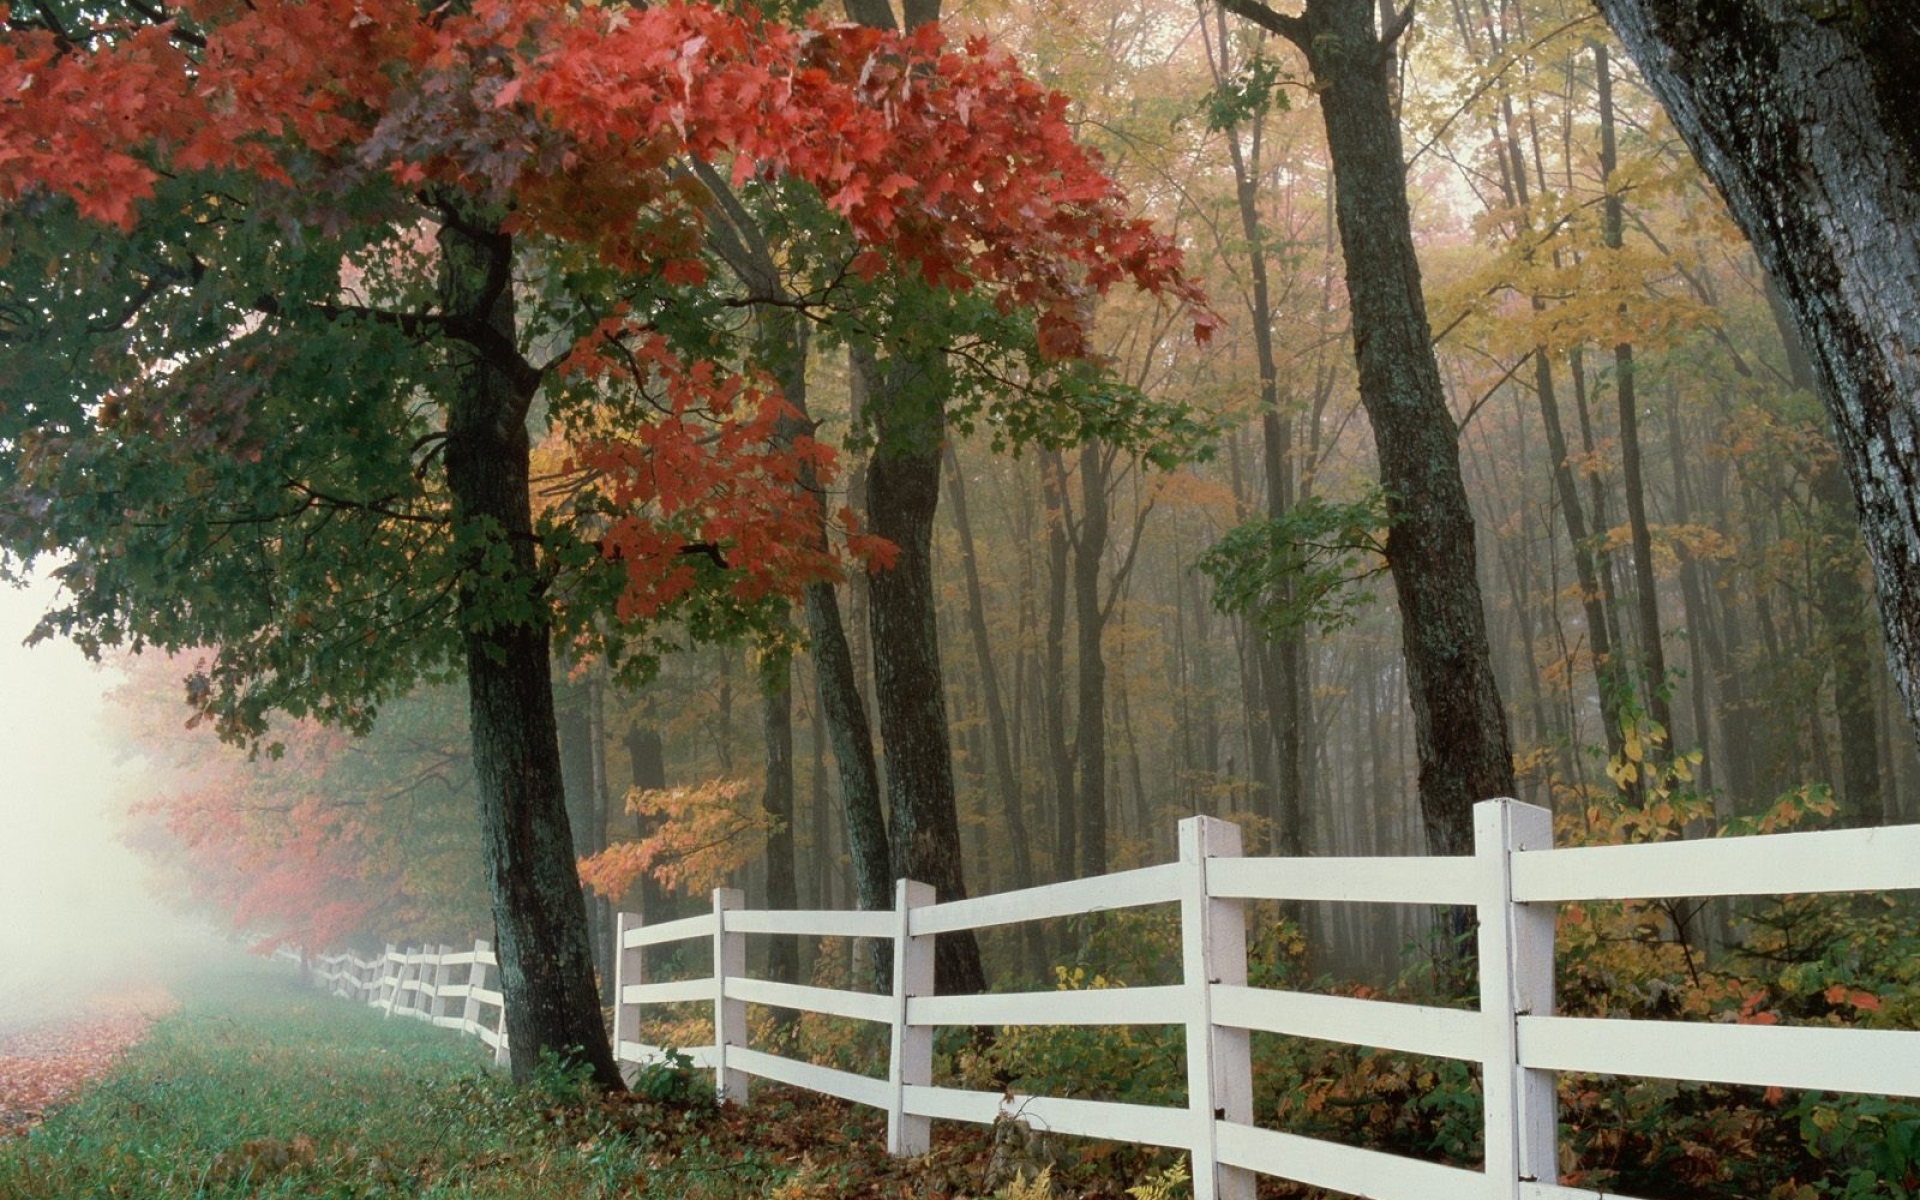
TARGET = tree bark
x,y
1807,118
546,964
903,492
908,394
1460,726
776,801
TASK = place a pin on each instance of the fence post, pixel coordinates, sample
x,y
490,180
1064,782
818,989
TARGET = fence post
x,y
392,966
1213,939
476,979
1516,980
729,1016
629,969
910,1055
442,980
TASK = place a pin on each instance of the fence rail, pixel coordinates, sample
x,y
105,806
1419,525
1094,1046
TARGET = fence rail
x,y
1513,881
423,983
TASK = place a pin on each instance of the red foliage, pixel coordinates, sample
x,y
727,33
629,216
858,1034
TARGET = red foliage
x,y
546,105
45,1064
944,159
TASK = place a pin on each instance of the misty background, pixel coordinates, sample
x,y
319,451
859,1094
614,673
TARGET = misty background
x,y
77,921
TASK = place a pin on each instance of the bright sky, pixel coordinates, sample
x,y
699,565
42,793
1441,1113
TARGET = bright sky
x,y
73,908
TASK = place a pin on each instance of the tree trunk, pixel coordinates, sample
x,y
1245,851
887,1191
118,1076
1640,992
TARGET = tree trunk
x,y
1612,231
1090,729
1808,120
1006,780
546,964
908,394
1279,663
776,801
1053,676
586,813
903,492
1460,727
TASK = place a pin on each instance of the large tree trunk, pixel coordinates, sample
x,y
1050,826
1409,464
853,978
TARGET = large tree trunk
x,y
1807,117
546,966
1460,727
580,777
903,492
908,394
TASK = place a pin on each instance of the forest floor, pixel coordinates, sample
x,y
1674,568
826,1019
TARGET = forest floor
x,y
255,1087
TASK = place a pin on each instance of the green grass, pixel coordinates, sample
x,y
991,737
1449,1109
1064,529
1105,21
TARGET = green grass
x,y
258,1088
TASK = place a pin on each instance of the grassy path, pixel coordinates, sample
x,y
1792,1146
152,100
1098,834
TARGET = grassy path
x,y
256,1087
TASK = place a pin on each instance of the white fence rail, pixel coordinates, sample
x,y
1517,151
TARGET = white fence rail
x,y
438,984
1514,879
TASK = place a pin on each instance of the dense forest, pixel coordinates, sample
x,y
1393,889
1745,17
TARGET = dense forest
x,y
1162,588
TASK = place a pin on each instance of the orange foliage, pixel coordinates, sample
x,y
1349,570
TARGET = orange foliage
x,y
701,835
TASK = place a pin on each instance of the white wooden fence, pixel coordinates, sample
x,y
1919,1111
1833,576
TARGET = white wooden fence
x,y
438,984
1514,879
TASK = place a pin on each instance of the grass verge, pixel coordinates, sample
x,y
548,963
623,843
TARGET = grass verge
x,y
256,1087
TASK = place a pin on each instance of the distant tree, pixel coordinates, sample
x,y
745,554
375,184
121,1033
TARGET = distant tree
x,y
1807,117
288,291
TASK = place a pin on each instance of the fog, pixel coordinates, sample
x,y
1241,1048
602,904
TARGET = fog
x,y
77,922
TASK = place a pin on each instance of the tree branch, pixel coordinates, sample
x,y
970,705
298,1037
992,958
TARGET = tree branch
x,y
1294,29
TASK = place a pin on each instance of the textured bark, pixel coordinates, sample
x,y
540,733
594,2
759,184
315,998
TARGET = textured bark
x,y
586,811
1807,117
903,492
546,965
783,346
1460,726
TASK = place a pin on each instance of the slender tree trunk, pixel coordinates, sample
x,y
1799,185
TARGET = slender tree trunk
x,y
540,921
776,801
1460,726
1006,780
1626,387
783,346
1054,671
1809,123
1278,663
1090,729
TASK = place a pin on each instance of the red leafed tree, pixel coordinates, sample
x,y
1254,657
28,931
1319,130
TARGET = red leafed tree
x,y
336,841
290,290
